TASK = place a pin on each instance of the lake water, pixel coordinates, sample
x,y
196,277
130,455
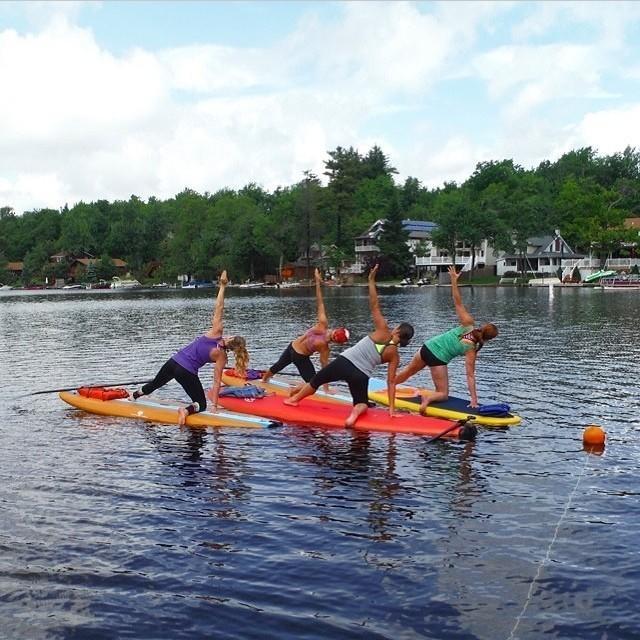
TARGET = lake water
x,y
119,529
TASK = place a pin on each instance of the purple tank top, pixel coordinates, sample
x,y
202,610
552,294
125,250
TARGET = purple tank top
x,y
314,339
197,354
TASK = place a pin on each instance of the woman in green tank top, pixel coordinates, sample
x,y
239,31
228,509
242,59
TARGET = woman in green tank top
x,y
437,352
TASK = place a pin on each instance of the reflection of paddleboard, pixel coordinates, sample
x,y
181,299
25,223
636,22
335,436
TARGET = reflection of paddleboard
x,y
453,409
313,413
282,385
165,412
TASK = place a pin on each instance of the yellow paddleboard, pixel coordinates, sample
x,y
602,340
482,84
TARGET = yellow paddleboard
x,y
163,412
453,409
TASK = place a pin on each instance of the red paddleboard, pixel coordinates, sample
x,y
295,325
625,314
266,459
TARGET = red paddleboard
x,y
312,413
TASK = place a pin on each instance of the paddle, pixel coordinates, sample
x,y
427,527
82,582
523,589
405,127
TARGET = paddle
x,y
89,386
457,425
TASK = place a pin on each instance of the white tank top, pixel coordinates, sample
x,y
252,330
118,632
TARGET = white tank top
x,y
365,354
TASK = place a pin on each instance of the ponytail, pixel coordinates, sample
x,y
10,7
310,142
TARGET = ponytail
x,y
238,345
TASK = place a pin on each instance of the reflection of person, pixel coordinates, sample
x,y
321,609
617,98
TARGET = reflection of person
x,y
184,365
437,352
316,339
356,364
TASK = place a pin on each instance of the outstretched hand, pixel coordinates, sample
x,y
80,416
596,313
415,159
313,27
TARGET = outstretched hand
x,y
223,277
453,274
318,276
373,271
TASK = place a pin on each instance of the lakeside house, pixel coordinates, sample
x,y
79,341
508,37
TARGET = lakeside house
x,y
544,255
78,267
428,257
75,266
556,254
15,268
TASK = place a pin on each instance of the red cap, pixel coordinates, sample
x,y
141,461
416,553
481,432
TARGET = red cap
x,y
340,334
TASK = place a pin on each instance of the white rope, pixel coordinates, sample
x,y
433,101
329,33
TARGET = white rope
x,y
542,564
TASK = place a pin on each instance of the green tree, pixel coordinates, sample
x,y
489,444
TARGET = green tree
x,y
372,200
410,194
344,170
105,269
393,243
376,164
76,233
449,208
34,264
308,195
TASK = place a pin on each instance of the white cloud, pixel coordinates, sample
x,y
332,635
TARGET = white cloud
x,y
40,190
609,131
452,161
522,78
82,122
210,68
60,86
205,116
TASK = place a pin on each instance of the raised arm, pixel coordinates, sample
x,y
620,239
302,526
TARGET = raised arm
x,y
323,323
463,315
378,319
217,325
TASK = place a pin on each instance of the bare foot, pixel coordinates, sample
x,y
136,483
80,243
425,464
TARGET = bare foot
x,y
182,416
423,407
350,421
290,402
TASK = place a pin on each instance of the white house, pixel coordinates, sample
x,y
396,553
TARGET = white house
x,y
427,256
544,254
437,259
366,247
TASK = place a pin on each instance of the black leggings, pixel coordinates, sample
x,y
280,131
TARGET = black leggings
x,y
291,356
188,381
429,359
343,369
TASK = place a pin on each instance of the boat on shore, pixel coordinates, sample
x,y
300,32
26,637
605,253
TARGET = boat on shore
x,y
599,274
622,283
198,284
101,284
124,283
544,282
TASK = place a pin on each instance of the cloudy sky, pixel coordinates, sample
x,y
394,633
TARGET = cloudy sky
x,y
108,99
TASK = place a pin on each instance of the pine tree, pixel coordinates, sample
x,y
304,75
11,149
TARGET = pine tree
x,y
393,242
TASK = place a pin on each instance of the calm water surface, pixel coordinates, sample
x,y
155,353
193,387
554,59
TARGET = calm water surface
x,y
119,529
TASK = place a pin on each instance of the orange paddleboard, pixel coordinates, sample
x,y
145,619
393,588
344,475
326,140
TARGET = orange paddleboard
x,y
313,413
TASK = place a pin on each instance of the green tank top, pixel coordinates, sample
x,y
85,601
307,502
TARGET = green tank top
x,y
446,346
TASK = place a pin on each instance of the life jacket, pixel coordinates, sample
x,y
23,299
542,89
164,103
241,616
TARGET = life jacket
x,y
100,393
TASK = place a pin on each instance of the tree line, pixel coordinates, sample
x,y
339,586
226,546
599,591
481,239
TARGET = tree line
x,y
252,231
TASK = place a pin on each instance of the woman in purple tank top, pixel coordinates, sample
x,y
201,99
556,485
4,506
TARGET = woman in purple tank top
x,y
317,339
184,365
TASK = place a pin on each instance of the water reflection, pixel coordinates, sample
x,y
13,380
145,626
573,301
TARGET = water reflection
x,y
110,526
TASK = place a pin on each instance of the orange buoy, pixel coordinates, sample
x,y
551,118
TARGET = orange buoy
x,y
594,436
